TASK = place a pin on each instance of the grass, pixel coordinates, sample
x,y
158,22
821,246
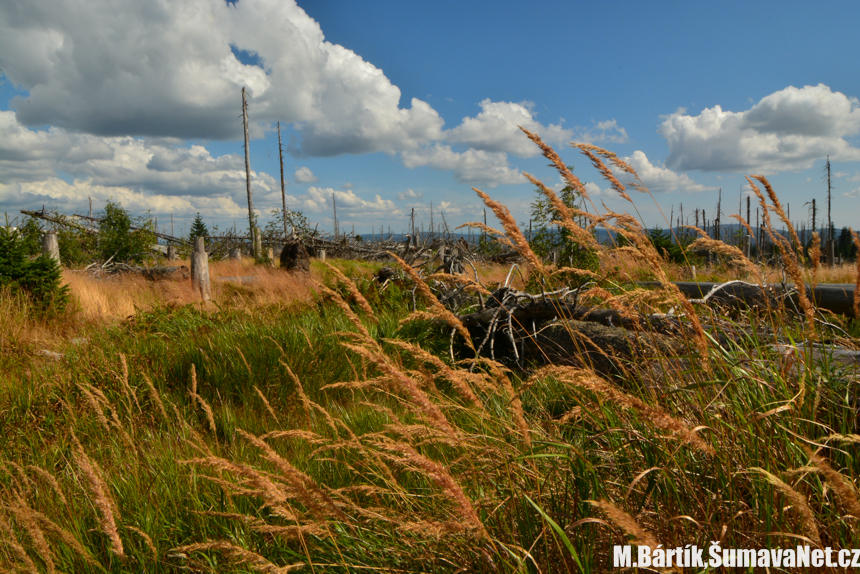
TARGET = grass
x,y
286,427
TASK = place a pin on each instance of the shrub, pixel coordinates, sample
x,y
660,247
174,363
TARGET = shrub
x,y
547,238
31,236
39,278
295,221
117,240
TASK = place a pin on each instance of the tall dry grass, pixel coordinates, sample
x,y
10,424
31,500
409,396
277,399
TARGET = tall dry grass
x,y
235,283
341,436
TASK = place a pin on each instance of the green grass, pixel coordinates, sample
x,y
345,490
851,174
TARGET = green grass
x,y
532,500
308,443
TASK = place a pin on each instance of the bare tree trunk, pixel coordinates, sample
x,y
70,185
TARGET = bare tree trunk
x,y
283,187
50,247
200,269
258,243
251,219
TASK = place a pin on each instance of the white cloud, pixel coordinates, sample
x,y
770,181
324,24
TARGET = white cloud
x,y
785,131
661,179
37,163
593,189
74,197
409,194
469,167
122,67
495,129
456,209
601,133
305,175
318,200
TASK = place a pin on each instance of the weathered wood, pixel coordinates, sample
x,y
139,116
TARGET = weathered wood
x,y
165,273
200,269
258,243
235,254
252,224
171,252
50,247
242,279
834,297
294,257
608,350
283,185
546,310
59,221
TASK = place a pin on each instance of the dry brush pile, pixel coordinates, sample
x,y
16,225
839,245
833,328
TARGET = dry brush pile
x,y
352,435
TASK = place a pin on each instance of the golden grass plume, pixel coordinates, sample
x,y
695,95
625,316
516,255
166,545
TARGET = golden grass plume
x,y
798,501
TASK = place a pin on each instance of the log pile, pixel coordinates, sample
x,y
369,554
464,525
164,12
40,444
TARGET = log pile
x,y
529,329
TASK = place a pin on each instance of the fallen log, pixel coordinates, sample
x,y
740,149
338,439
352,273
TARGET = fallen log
x,y
607,350
548,309
834,297
165,273
552,331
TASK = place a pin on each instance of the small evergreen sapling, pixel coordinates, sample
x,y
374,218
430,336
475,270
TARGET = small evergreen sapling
x,y
198,229
40,278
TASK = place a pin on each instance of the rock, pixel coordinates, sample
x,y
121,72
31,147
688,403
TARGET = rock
x,y
294,257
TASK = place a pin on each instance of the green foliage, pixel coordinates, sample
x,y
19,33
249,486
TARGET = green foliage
x,y
845,247
31,237
198,229
116,238
665,246
547,238
296,221
40,278
77,247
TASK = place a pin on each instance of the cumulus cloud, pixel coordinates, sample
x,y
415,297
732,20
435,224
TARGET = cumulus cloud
x,y
785,131
409,194
71,197
121,67
43,165
593,189
319,199
852,193
495,129
661,179
305,175
469,167
602,133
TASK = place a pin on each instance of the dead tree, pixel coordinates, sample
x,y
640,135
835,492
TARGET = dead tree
x,y
252,224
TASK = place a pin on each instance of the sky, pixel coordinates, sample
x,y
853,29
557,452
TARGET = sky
x,y
392,106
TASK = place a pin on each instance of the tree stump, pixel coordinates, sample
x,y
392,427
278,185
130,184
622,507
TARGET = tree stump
x,y
294,257
200,269
50,247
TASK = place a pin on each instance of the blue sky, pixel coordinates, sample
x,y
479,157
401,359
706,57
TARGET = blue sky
x,y
393,105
